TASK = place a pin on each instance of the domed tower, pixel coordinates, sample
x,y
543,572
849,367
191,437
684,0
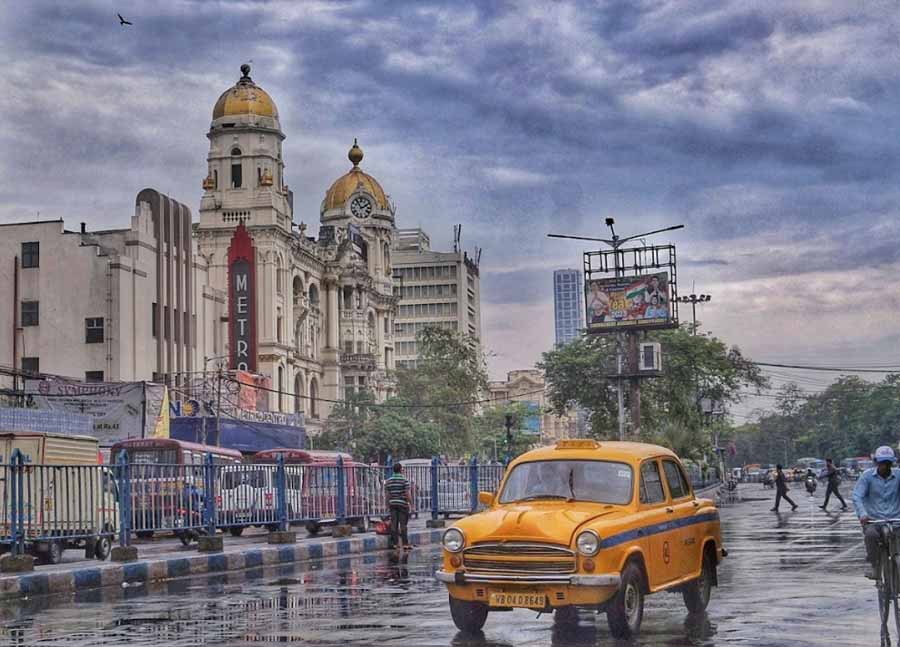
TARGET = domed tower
x,y
356,198
245,167
357,217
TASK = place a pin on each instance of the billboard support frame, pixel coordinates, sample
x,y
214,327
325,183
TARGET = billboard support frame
x,y
634,261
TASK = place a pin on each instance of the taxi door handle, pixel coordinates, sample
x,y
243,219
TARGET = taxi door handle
x,y
670,510
696,504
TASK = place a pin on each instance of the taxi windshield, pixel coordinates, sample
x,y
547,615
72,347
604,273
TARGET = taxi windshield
x,y
570,480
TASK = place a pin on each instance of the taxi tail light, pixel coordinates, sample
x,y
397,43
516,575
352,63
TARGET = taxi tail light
x,y
268,499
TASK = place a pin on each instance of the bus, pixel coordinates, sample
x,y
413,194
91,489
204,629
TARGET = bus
x,y
164,472
249,496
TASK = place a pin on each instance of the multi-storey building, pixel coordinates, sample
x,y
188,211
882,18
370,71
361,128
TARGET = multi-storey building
x,y
324,308
156,300
435,289
528,386
120,304
568,305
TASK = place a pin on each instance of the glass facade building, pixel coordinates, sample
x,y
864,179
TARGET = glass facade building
x,y
568,305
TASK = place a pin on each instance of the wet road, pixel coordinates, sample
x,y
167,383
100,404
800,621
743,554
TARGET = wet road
x,y
790,579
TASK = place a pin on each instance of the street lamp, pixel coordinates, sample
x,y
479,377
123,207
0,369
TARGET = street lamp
x,y
694,299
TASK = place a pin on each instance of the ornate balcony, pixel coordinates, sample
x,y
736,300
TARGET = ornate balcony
x,y
363,361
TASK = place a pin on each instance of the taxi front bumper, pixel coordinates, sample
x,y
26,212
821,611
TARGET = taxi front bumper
x,y
462,577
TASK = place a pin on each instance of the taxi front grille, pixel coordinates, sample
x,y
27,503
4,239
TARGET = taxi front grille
x,y
519,558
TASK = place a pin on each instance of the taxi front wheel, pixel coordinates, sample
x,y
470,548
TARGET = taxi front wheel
x,y
626,610
469,617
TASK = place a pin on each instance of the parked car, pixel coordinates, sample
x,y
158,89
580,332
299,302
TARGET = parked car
x,y
584,524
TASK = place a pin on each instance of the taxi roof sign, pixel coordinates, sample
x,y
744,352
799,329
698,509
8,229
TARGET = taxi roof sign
x,y
577,443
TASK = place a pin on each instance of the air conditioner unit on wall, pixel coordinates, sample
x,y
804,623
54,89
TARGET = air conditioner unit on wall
x,y
650,357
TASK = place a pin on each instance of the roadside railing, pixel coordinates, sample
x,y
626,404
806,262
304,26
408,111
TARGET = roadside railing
x,y
47,508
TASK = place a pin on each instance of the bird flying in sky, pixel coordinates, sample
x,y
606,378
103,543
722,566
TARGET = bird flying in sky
x,y
122,21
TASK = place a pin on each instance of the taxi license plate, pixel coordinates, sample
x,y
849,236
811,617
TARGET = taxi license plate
x,y
529,600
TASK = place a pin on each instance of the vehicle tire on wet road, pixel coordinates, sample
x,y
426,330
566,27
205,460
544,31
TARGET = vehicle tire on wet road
x,y
236,531
697,593
313,529
144,534
566,616
102,547
626,609
469,617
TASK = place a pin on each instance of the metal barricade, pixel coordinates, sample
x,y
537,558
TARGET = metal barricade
x,y
48,508
248,495
454,494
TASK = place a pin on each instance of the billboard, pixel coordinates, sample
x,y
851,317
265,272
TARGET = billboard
x,y
629,302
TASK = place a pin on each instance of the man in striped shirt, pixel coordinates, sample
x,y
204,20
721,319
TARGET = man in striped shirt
x,y
397,491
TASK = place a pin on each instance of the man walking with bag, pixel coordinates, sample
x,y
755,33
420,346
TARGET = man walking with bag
x,y
834,479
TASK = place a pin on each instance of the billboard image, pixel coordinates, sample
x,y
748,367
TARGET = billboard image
x,y
629,302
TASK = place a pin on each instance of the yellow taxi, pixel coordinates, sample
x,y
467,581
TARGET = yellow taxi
x,y
588,524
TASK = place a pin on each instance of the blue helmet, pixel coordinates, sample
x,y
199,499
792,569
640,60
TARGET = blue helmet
x,y
885,454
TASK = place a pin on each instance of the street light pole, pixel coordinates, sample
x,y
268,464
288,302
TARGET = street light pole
x,y
694,299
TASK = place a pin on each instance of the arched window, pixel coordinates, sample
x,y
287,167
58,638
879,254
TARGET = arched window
x,y
297,289
387,259
215,179
313,397
298,393
313,294
279,281
236,174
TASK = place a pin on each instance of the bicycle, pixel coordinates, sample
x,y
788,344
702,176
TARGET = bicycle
x,y
887,575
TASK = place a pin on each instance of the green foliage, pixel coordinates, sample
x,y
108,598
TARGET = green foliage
x,y
371,434
850,418
449,371
694,367
416,423
490,431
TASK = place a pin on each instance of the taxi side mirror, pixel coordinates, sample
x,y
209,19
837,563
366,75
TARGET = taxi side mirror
x,y
486,498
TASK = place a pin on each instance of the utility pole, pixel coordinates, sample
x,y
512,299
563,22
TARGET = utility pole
x,y
634,398
218,404
509,437
694,299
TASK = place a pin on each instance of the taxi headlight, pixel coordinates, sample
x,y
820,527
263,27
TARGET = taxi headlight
x,y
588,543
453,540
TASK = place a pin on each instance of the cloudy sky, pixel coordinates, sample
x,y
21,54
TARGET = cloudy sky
x,y
770,129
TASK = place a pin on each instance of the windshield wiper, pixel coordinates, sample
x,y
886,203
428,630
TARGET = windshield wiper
x,y
541,496
571,485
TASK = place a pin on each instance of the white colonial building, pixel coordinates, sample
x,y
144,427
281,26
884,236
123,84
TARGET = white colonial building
x,y
324,307
114,305
152,301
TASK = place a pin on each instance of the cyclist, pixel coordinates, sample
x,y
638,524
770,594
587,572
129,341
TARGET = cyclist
x,y
876,497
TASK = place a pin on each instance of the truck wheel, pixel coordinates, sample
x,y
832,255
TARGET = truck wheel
x,y
184,538
469,617
236,531
54,552
697,592
626,609
102,547
313,529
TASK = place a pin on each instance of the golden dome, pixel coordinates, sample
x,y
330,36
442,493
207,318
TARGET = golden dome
x,y
354,179
245,98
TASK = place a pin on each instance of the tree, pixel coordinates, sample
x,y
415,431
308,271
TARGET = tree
x,y
374,432
490,430
442,389
694,367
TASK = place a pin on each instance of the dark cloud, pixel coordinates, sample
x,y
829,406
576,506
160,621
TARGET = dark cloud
x,y
770,129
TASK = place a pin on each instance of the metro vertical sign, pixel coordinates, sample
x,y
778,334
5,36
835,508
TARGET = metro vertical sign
x,y
242,301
